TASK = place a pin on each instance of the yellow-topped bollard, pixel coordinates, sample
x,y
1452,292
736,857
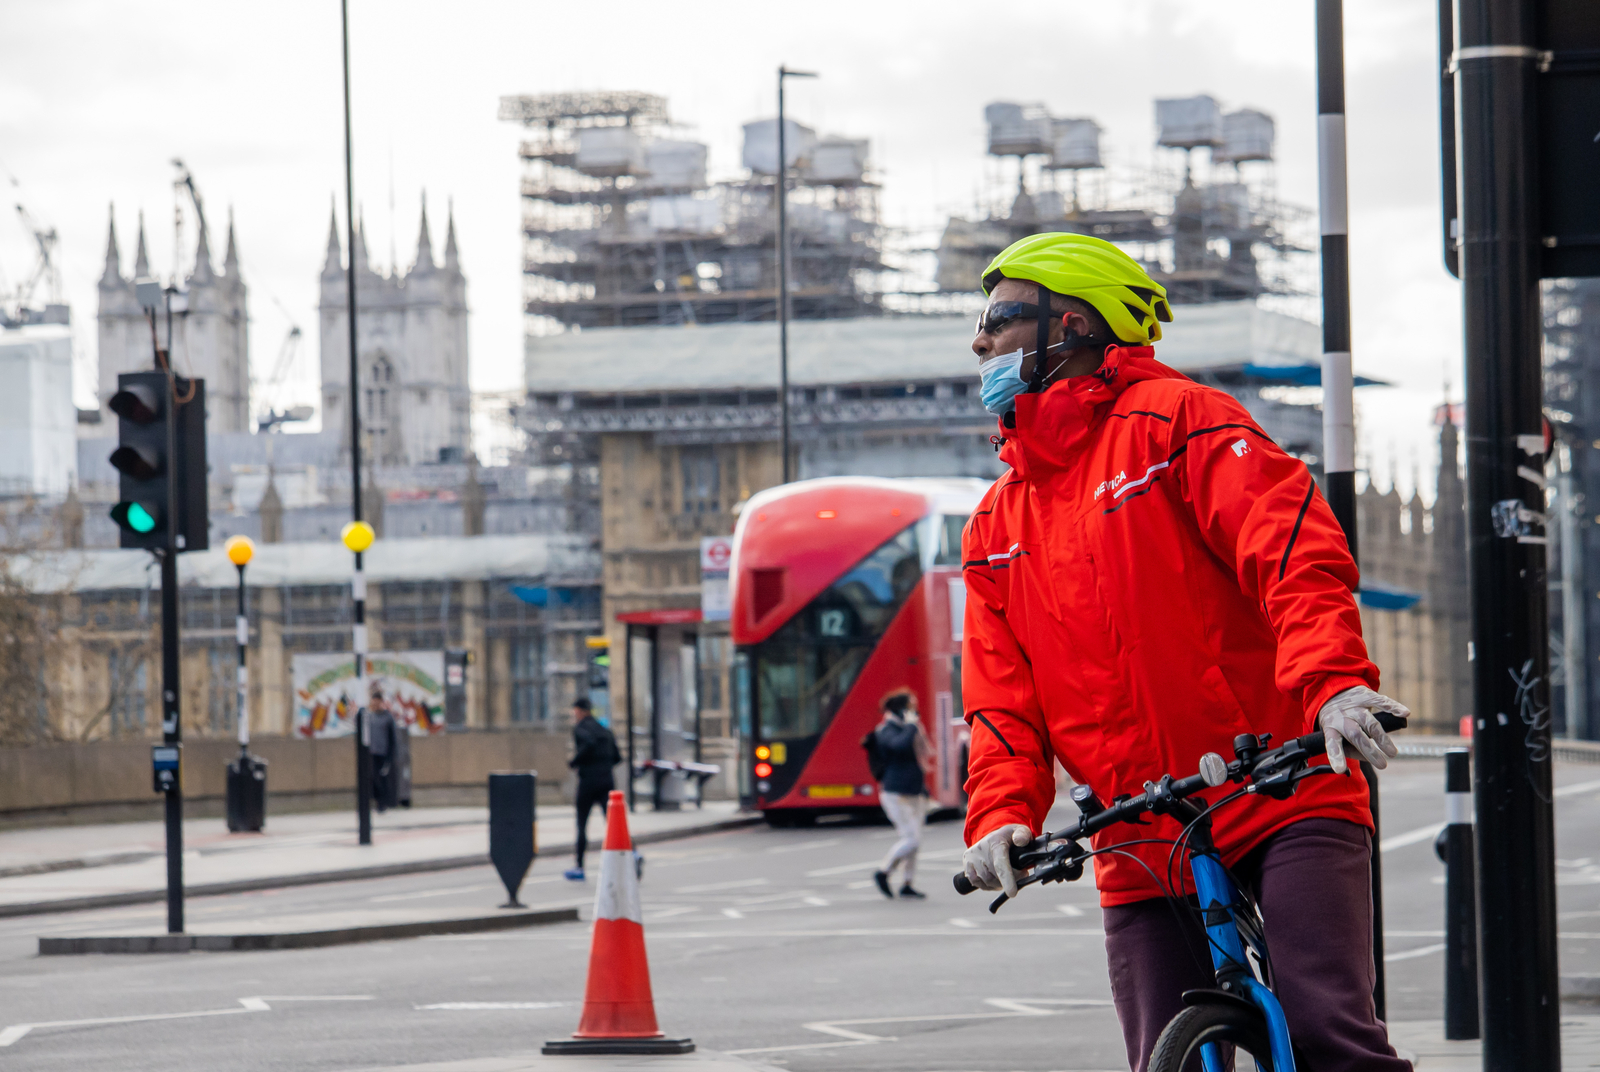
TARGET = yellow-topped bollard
x,y
358,536
241,549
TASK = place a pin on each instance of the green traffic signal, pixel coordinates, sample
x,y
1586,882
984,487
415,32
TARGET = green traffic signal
x,y
136,516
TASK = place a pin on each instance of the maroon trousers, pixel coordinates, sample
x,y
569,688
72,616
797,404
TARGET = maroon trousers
x,y
1313,883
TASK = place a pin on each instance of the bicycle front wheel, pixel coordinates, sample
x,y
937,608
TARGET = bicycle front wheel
x,y
1178,1046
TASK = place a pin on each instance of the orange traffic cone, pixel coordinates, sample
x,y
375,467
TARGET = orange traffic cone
x,y
619,1013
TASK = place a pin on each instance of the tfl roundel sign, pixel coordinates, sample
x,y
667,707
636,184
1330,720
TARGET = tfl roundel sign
x,y
716,552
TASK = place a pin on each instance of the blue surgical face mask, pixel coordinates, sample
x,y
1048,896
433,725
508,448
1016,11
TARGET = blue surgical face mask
x,y
1000,378
1000,381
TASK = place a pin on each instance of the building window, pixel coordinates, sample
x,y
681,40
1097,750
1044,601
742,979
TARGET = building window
x,y
126,674
527,680
380,377
702,480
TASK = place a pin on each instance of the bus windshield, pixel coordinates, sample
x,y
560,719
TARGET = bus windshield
x,y
805,670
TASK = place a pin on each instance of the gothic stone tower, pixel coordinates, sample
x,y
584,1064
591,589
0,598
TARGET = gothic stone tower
x,y
210,340
412,350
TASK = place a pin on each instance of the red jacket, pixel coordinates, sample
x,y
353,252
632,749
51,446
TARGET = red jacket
x,y
1152,578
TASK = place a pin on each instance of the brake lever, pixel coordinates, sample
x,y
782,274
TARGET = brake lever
x,y
1289,771
1058,864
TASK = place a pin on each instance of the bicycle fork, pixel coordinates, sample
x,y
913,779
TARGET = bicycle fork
x,y
1238,983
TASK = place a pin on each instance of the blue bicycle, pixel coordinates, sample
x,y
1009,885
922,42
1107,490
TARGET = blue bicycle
x,y
1241,1013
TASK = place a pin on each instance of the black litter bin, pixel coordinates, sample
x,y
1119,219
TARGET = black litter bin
x,y
247,794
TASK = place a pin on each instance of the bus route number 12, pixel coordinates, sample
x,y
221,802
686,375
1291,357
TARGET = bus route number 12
x,y
833,623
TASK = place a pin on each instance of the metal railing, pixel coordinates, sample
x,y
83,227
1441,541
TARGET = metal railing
x,y
1420,747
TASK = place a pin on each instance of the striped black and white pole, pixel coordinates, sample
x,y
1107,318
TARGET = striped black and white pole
x,y
241,634
1338,401
1460,899
1338,381
357,537
240,550
358,593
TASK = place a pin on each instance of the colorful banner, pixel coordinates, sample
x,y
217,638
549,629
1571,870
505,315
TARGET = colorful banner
x,y
408,684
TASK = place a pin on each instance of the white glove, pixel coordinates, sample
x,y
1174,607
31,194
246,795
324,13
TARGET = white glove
x,y
988,862
1349,717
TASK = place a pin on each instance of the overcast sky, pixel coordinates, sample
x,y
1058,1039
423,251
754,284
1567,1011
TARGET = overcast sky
x,y
97,96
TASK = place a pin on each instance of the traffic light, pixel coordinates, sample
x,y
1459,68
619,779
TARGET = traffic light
x,y
149,459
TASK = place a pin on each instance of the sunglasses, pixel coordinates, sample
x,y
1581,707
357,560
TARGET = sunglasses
x,y
998,314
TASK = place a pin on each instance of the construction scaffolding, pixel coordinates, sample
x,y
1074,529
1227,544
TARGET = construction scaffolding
x,y
1226,237
621,226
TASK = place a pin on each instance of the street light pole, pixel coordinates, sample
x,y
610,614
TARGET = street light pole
x,y
246,775
783,266
240,550
357,537
1496,62
358,581
1338,379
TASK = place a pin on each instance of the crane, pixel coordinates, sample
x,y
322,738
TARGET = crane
x,y
18,308
185,181
272,420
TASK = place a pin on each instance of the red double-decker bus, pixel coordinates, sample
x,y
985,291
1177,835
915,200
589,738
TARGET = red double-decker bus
x,y
842,590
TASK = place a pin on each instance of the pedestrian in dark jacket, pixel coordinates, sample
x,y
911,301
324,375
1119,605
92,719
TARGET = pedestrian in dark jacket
x,y
381,747
905,751
594,754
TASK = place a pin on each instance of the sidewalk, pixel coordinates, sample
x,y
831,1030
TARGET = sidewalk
x,y
64,868
1424,1042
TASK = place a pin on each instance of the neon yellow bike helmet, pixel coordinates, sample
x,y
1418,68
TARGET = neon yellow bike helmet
x,y
1093,270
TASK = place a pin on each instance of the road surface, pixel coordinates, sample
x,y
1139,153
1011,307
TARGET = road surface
x,y
769,943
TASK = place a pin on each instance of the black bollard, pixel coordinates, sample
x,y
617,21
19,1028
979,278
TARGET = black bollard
x,y
247,794
512,843
1460,900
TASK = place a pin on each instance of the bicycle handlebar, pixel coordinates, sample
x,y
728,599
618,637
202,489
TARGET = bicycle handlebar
x,y
1274,773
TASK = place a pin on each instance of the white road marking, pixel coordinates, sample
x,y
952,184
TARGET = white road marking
x,y
487,1006
1065,909
844,869
709,887
11,1034
1431,831
16,1031
1408,954
817,901
787,895
866,885
957,922
733,913
824,843
420,894
1410,837
842,1029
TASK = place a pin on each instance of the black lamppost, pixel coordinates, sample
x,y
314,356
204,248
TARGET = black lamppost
x,y
358,535
783,266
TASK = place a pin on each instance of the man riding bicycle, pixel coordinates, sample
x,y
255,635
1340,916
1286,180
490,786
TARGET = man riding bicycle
x,y
1152,578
